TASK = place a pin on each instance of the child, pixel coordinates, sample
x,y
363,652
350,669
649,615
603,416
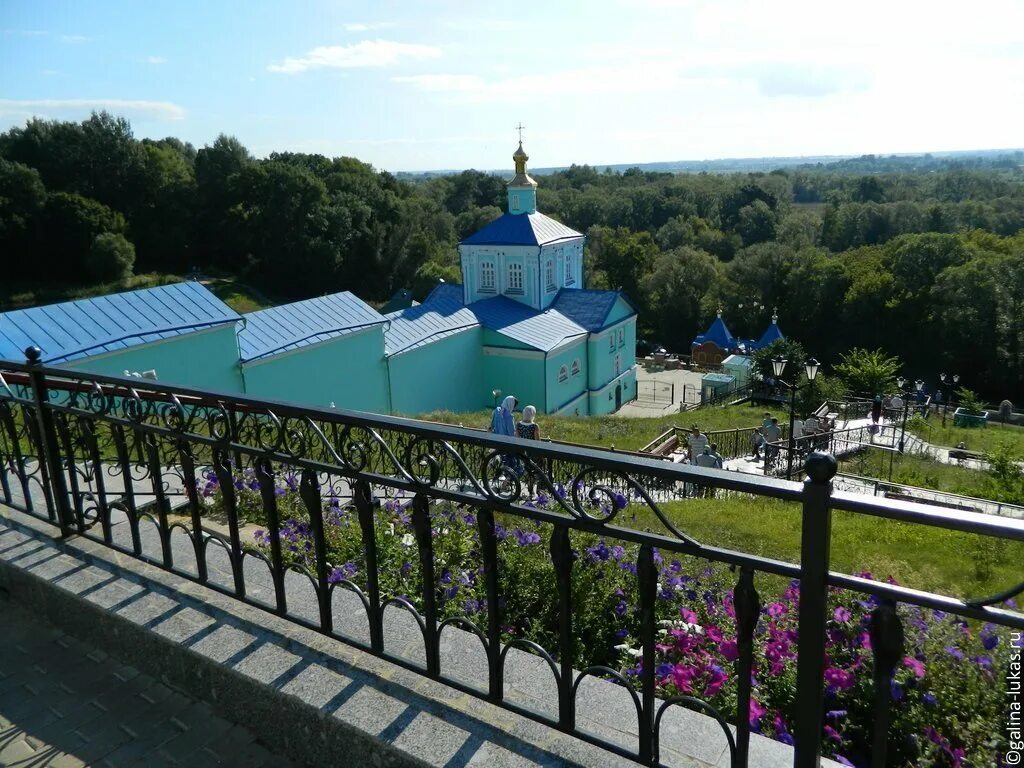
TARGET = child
x,y
527,429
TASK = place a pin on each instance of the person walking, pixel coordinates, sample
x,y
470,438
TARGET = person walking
x,y
757,441
876,413
696,443
708,460
772,436
767,420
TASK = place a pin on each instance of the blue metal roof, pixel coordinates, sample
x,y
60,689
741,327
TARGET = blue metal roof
x,y
522,229
292,326
442,314
77,329
543,330
771,333
718,334
587,307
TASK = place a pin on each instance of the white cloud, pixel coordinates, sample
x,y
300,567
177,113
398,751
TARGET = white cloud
x,y
368,53
146,110
359,27
155,60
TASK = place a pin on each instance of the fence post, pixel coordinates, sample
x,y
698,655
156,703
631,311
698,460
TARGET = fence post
x,y
815,543
49,448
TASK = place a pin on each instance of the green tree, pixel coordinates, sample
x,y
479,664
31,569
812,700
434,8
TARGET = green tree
x,y
111,258
868,372
22,197
71,224
674,290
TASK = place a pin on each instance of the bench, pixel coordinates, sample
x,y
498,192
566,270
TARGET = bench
x,y
667,447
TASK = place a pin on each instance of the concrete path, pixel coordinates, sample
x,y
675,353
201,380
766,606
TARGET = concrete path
x,y
65,704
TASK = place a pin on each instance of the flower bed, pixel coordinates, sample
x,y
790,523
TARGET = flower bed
x,y
946,701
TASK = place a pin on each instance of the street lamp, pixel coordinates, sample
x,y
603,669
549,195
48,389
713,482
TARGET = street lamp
x,y
495,393
918,386
811,369
945,406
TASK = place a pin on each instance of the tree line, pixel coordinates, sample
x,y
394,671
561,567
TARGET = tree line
x,y
923,259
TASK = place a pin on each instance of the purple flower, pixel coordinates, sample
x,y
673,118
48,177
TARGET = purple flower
x,y
841,679
929,699
599,551
955,652
916,666
620,501
620,609
543,499
472,606
895,690
841,615
989,639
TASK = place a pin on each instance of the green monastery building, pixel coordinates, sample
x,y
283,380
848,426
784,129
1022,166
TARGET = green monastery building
x,y
521,322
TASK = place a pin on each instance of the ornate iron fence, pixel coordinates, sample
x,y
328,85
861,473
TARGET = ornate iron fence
x,y
109,458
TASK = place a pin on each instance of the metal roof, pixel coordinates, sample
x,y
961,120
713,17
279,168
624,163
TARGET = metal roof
x,y
543,330
522,229
292,326
442,314
84,327
587,307
771,333
718,334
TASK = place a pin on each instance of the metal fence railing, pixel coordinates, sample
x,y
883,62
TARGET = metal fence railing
x,y
367,503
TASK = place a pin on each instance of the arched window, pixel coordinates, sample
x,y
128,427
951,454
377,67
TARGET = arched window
x,y
549,274
487,276
563,374
515,278
622,337
576,367
611,341
569,273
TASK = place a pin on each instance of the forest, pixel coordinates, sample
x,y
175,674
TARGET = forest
x,y
921,257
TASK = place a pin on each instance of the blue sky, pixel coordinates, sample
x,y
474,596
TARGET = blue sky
x,y
423,85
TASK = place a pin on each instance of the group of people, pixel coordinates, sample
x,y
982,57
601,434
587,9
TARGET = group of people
x,y
503,422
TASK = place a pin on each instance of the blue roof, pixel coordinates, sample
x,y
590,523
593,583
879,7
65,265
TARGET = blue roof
x,y
292,326
442,314
587,307
77,329
543,330
522,229
771,333
718,334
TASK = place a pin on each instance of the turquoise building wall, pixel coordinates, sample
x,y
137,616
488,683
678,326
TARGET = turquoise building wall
x,y
445,374
348,370
205,359
518,372
605,345
562,393
602,401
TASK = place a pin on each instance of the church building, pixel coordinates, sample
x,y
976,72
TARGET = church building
x,y
521,323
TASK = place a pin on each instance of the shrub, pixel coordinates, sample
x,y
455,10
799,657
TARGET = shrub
x,y
946,703
111,257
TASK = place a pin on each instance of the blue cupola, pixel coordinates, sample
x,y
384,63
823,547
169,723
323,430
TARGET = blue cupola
x,y
522,190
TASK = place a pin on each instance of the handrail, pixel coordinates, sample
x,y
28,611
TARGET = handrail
x,y
78,449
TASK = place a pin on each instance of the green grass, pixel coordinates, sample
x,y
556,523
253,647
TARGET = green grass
x,y
20,295
623,433
983,440
238,296
918,556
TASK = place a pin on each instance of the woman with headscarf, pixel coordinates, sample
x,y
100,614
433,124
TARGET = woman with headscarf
x,y
503,422
527,429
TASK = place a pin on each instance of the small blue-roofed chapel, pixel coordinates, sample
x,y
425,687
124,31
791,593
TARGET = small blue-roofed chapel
x,y
522,323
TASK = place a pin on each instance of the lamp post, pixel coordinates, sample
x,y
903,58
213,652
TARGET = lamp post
x,y
945,406
918,386
495,393
811,369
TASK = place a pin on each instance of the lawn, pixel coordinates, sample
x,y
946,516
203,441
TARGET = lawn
x,y
958,564
984,440
232,292
623,433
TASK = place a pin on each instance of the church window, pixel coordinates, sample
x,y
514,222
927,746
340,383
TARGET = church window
x,y
487,276
563,374
611,341
618,364
549,273
515,278
576,367
569,279
622,337
515,201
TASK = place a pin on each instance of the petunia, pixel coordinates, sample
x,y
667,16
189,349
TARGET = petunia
x,y
841,615
916,666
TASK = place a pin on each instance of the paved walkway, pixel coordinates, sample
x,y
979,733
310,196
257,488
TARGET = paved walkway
x,y
65,704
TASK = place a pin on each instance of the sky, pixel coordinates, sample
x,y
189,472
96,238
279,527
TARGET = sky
x,y
442,84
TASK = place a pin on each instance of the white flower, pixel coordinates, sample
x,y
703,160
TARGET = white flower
x,y
408,540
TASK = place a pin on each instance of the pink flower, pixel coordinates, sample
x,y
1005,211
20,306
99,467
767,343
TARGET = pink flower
x,y
689,616
756,712
915,665
730,650
682,677
714,634
833,734
776,609
839,678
